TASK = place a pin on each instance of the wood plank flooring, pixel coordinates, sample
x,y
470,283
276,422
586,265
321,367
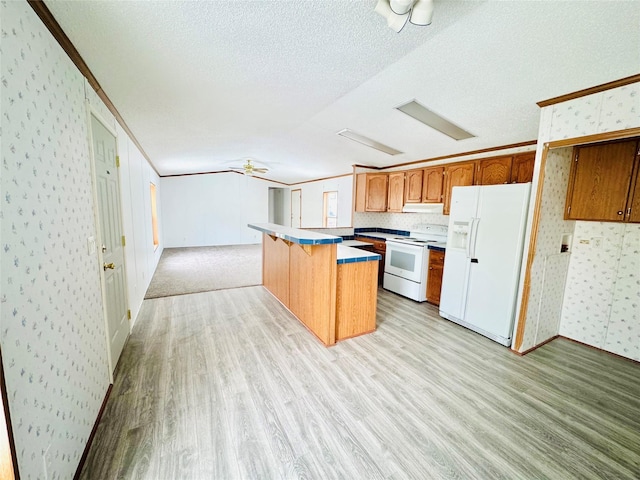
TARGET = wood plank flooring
x,y
228,385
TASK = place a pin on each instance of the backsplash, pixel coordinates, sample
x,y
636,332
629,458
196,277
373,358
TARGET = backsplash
x,y
52,331
397,221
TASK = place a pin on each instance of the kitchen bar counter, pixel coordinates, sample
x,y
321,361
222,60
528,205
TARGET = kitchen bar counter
x,y
330,288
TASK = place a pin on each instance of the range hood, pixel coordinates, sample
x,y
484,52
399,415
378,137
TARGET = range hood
x,y
423,208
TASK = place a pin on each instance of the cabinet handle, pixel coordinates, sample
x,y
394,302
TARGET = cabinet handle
x,y
619,212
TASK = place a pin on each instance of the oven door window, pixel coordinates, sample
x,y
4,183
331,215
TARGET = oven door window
x,y
404,262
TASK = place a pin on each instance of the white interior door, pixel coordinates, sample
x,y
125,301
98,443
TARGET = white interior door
x,y
108,193
296,210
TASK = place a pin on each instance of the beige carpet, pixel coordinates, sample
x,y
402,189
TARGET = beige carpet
x,y
202,269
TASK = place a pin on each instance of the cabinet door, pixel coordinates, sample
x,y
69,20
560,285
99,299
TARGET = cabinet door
x,y
522,168
361,192
396,192
413,186
456,174
434,276
376,200
599,181
493,171
432,185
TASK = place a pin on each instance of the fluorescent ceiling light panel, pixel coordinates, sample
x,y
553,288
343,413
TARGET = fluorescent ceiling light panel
x,y
356,137
433,120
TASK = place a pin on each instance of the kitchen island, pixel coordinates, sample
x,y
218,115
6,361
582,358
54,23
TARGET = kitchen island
x,y
331,289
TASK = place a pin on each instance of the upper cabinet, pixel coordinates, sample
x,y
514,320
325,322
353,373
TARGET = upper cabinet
x,y
494,171
371,192
389,192
522,168
456,174
413,186
395,200
603,183
433,178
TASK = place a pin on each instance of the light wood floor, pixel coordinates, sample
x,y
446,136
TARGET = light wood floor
x,y
228,385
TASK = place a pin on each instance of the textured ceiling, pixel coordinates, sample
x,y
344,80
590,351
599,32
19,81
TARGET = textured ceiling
x,y
204,85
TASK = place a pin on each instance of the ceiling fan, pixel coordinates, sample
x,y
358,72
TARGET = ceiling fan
x,y
249,168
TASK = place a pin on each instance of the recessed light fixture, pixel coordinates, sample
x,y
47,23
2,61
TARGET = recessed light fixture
x,y
356,137
433,120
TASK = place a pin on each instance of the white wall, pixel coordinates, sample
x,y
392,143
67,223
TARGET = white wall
x,y
213,209
52,331
141,256
313,198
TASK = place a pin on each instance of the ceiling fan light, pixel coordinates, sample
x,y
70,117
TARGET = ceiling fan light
x,y
394,21
422,13
400,7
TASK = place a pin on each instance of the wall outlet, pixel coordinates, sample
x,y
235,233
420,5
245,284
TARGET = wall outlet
x,y
47,465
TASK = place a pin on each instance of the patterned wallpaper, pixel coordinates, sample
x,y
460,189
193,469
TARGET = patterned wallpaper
x,y
397,221
612,110
52,331
549,267
615,109
602,299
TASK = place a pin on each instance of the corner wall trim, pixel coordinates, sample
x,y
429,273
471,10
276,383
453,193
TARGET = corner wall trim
x,y
591,90
92,435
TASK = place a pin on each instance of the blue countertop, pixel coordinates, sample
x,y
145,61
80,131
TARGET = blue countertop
x,y
295,235
353,255
442,247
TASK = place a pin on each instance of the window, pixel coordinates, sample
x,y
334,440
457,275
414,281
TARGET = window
x,y
154,217
330,210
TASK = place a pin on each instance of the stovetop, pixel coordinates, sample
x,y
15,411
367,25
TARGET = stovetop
x,y
424,235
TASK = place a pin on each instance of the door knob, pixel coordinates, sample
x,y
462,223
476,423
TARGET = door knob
x,y
108,265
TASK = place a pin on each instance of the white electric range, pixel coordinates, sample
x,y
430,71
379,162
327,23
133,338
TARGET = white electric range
x,y
407,260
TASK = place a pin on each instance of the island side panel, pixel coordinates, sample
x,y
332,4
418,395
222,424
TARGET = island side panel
x,y
357,299
275,267
312,288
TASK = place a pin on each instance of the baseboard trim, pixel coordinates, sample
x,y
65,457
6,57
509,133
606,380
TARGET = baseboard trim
x,y
92,434
600,349
522,354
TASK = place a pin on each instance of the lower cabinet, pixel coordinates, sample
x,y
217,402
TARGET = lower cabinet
x,y
379,247
434,276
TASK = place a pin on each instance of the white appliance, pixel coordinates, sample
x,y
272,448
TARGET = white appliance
x,y
407,259
484,256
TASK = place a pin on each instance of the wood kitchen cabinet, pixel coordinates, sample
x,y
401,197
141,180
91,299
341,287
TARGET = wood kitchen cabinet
x,y
413,186
603,183
494,171
456,174
371,192
395,199
434,276
379,247
522,167
424,185
433,179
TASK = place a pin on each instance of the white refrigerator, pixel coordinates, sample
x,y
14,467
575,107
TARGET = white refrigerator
x,y
483,258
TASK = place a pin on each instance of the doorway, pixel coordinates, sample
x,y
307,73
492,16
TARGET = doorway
x,y
296,210
276,205
110,240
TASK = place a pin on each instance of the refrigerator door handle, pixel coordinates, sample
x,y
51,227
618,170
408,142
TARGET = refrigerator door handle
x,y
473,237
469,235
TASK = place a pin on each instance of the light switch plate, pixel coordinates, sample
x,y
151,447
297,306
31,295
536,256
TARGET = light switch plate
x,y
91,245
